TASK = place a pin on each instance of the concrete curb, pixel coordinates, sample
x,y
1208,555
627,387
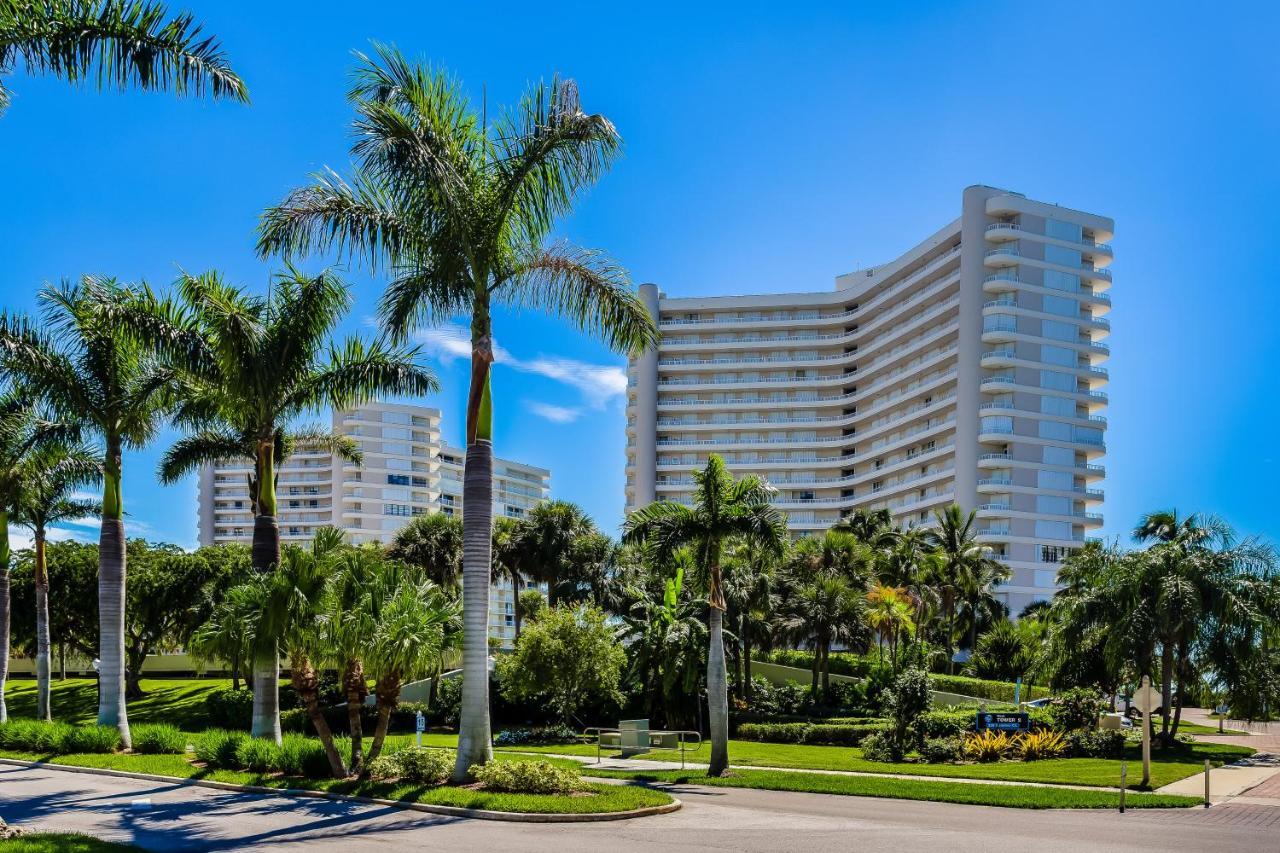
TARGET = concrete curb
x,y
449,811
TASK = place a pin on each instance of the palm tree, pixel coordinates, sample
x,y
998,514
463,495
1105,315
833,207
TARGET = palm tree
x,y
431,543
114,44
889,612
509,554
826,610
354,610
91,372
723,510
250,366
417,622
548,538
980,607
959,557
47,479
749,589
459,211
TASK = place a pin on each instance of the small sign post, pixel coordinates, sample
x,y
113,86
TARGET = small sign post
x,y
1017,693
1147,699
419,726
1124,772
1222,715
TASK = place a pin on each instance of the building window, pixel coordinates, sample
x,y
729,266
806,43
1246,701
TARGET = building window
x,y
1053,553
398,479
397,509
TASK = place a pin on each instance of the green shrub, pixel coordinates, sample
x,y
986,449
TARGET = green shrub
x,y
424,766
881,746
1102,743
303,756
981,688
258,755
218,747
33,736
92,739
835,734
907,700
537,736
528,777
158,739
946,723
942,750
1033,746
1077,708
230,709
449,701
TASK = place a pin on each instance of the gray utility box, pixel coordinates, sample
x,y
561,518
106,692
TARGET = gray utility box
x,y
634,737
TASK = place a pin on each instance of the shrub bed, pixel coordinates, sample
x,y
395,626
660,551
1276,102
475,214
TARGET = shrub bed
x,y
981,688
834,734
57,738
528,777
158,739
416,764
537,736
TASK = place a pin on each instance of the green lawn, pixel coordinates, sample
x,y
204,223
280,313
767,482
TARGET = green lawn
x,y
597,799
1007,796
179,701
1166,765
61,842
1197,729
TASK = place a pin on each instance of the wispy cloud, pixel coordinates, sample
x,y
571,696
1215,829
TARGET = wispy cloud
x,y
598,383
555,414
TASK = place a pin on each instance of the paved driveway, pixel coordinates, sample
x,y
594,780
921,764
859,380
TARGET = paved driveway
x,y
192,818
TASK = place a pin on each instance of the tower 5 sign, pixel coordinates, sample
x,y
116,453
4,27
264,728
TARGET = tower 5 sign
x,y
1011,722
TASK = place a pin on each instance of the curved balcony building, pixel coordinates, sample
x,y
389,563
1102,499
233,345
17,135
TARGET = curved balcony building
x,y
969,370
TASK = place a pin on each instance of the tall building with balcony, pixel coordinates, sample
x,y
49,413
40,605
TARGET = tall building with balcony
x,y
967,370
406,471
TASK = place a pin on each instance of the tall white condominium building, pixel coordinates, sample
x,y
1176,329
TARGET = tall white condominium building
x,y
407,471
967,370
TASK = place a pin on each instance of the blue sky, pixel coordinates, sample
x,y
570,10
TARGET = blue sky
x,y
768,149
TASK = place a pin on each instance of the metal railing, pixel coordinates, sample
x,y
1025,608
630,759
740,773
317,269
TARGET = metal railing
x,y
659,734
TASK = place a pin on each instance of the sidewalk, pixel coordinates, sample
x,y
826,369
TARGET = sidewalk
x,y
1257,776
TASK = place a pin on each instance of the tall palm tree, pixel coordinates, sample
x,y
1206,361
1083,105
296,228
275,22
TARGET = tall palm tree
x,y
91,372
509,554
460,211
960,558
47,480
980,607
722,510
548,538
114,44
248,367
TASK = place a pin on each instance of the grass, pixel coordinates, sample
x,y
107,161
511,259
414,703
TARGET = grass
x,y
596,799
178,701
1007,796
61,842
1197,729
1167,766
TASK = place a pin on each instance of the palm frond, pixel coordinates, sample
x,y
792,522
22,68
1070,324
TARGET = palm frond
x,y
354,219
207,447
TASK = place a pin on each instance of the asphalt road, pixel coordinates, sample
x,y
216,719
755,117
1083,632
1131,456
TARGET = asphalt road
x,y
193,818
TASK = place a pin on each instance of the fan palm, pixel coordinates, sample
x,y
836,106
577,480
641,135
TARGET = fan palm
x,y
431,543
460,211
114,44
249,366
548,538
47,480
722,510
826,610
91,372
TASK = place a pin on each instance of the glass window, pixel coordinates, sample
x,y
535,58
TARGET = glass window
x,y
1059,255
1057,406
1062,306
1063,230
398,464
1046,577
1053,529
1062,481
999,323
396,418
395,432
1061,281
998,423
1088,435
1059,331
1057,381
1058,355
398,479
1053,505
392,449
1063,456
1055,430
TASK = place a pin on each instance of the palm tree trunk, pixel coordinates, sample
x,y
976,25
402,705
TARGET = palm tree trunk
x,y
1166,687
515,601
111,599
717,697
475,744
353,684
388,690
265,556
306,683
4,612
43,653
951,628
746,666
826,669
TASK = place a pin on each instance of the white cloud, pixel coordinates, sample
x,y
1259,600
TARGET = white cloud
x,y
555,414
598,383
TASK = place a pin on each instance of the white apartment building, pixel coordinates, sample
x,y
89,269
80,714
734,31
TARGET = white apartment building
x,y
407,471
967,370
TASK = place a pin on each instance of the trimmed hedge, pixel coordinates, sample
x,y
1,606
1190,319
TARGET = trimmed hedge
x,y
980,688
831,734
839,663
57,738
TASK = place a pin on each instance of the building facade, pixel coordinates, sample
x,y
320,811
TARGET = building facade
x,y
407,471
968,370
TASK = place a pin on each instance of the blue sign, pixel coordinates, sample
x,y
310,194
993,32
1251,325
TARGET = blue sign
x,y
420,723
1004,722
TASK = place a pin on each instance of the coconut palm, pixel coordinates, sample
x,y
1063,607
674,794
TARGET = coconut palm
x,y
509,553
250,366
47,480
114,44
723,510
91,372
417,622
959,557
459,210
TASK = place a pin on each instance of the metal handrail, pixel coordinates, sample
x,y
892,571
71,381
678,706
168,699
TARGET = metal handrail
x,y
599,730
